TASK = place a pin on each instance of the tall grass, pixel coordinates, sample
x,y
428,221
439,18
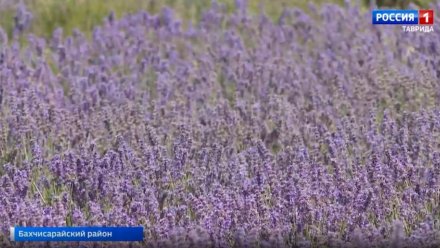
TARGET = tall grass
x,y
85,14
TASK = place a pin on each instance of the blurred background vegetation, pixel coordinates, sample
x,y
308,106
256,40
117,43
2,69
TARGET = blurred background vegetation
x,y
47,15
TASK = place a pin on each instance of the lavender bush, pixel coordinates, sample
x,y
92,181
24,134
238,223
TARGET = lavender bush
x,y
317,130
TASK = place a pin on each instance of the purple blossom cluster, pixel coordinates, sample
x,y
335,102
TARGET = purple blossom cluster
x,y
314,130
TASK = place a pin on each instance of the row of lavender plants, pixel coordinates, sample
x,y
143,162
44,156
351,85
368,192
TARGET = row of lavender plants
x,y
315,130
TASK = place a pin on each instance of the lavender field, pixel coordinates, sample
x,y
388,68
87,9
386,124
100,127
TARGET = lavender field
x,y
314,130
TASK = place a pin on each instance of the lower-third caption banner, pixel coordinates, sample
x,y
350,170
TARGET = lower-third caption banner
x,y
90,234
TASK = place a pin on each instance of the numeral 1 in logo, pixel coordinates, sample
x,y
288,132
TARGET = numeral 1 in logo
x,y
426,17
